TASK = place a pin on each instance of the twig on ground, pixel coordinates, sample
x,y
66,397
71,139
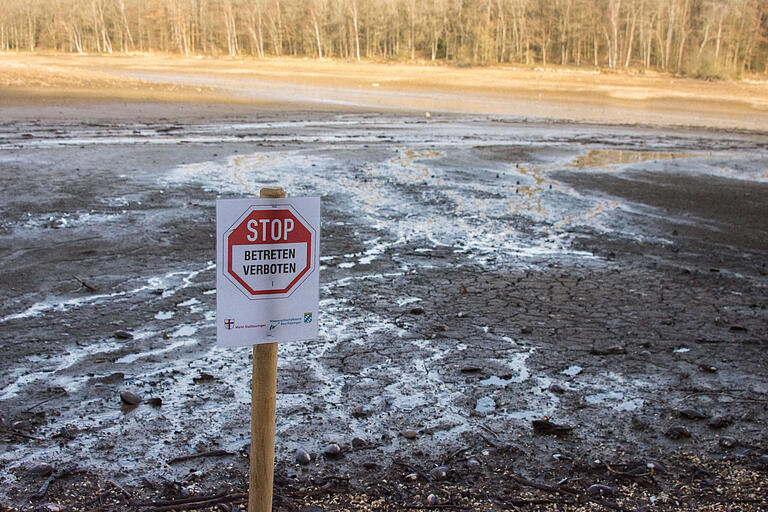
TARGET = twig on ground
x,y
85,285
196,502
212,453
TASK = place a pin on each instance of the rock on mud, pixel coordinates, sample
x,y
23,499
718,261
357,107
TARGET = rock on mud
x,y
556,388
40,469
130,398
719,422
359,442
728,442
123,335
302,456
692,414
545,426
439,473
677,432
600,490
409,434
332,451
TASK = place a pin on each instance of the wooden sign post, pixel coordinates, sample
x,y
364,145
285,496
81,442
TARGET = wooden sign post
x,y
263,398
267,291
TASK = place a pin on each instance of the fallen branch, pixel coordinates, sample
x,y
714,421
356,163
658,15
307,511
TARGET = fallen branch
x,y
198,502
85,285
582,497
212,453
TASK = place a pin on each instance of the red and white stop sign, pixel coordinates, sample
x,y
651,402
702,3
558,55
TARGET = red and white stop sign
x,y
269,251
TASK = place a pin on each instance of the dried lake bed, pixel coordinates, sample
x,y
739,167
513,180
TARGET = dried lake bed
x,y
478,273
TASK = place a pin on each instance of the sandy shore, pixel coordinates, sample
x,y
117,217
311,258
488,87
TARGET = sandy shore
x,y
58,86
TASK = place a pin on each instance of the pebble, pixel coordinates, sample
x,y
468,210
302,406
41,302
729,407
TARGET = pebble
x,y
431,500
302,456
728,442
411,477
439,473
526,330
130,398
547,427
692,414
473,462
556,388
123,335
417,311
357,411
40,469
708,368
332,451
409,434
763,461
677,432
719,422
608,350
49,507
600,490
656,466
203,377
358,442
155,401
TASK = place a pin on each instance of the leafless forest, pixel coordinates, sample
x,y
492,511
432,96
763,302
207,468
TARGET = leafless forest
x,y
706,38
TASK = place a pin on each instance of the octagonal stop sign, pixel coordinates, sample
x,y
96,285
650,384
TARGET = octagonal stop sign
x,y
268,251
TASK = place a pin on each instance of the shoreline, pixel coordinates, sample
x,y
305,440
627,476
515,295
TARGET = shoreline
x,y
252,86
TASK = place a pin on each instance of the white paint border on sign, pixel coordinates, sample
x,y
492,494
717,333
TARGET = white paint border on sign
x,y
241,321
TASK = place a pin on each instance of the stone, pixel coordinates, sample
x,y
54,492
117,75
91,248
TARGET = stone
x,y
332,451
155,401
302,456
439,473
123,335
600,490
358,442
728,442
608,350
719,422
556,388
42,469
656,466
526,330
409,434
431,500
130,398
677,432
544,426
692,414
473,463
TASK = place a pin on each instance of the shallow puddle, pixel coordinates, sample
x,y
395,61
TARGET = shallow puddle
x,y
602,158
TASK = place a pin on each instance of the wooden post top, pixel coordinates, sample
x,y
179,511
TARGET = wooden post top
x,y
272,192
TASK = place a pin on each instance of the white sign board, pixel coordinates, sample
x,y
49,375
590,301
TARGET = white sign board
x,y
267,270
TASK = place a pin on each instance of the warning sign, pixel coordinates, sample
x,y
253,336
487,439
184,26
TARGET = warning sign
x,y
267,270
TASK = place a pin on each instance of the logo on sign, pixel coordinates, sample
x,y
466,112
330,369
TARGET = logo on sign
x,y
229,323
307,318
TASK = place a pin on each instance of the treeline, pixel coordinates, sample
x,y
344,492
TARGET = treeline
x,y
704,37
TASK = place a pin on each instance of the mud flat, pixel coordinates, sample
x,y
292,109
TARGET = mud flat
x,y
479,273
